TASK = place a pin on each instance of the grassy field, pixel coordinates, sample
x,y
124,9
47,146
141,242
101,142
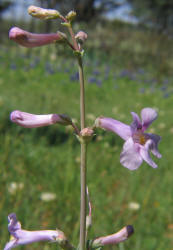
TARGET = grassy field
x,y
37,161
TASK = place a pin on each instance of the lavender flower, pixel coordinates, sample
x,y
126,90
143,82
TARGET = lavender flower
x,y
137,143
23,237
28,120
30,40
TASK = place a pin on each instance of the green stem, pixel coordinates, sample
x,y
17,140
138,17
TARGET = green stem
x,y
83,146
73,37
82,93
83,197
83,160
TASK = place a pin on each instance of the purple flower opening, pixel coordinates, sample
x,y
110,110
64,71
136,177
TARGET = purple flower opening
x,y
137,144
23,237
31,40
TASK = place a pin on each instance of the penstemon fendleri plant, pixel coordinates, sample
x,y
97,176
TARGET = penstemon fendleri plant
x,y
136,147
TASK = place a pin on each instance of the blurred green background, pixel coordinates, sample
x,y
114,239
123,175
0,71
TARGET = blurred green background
x,y
128,66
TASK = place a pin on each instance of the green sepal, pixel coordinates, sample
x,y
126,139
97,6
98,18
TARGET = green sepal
x,y
66,120
78,53
66,24
90,247
71,15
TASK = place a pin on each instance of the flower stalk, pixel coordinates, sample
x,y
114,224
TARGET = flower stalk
x,y
83,142
82,92
83,158
83,197
73,37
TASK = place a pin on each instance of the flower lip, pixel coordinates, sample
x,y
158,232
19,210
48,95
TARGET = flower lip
x,y
148,115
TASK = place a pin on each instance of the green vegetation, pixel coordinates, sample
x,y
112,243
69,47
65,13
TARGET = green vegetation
x,y
47,159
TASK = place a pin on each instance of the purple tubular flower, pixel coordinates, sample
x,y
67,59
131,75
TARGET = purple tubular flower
x,y
31,40
22,237
28,120
137,143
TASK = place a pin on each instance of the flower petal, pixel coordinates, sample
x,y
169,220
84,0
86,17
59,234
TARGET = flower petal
x,y
148,115
144,152
154,147
136,124
130,157
30,40
11,244
123,130
13,223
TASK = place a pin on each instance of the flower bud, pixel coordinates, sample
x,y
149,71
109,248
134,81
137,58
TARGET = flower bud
x,y
31,40
70,16
81,36
44,14
87,134
28,120
113,239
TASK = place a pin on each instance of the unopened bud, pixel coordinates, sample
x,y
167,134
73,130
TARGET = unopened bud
x,y
113,239
86,134
30,40
71,15
44,14
28,120
81,36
